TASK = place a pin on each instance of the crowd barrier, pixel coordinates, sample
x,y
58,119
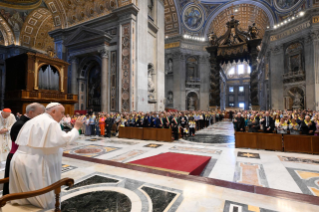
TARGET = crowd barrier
x,y
278,142
155,134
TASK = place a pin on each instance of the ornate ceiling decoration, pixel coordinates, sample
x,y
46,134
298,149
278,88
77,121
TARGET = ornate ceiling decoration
x,y
34,32
21,4
171,18
247,14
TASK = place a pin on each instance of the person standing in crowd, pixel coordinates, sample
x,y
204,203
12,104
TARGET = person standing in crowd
x,y
97,125
252,124
307,127
267,123
87,126
32,110
102,125
7,121
92,124
108,124
175,126
239,123
294,127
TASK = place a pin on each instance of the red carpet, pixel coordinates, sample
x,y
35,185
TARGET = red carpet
x,y
175,162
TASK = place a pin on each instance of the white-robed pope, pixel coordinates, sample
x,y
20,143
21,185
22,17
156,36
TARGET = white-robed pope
x,y
37,162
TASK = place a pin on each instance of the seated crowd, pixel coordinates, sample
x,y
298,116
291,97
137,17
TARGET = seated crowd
x,y
184,123
295,122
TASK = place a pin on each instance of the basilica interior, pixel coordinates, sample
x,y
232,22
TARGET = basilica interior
x,y
202,60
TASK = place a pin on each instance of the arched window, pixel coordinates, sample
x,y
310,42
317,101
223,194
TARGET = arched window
x,y
48,78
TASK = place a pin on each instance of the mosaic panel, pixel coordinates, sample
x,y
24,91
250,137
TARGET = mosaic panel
x,y
248,155
91,150
127,155
307,180
196,149
239,207
66,168
298,160
153,145
250,173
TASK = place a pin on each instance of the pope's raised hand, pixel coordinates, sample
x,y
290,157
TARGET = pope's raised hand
x,y
79,122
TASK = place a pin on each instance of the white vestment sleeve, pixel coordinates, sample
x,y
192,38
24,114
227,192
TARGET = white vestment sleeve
x,y
59,138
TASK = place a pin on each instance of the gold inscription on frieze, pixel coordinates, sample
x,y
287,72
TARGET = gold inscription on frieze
x,y
290,31
315,19
172,45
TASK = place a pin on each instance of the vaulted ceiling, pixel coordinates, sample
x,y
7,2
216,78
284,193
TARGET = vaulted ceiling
x,y
247,14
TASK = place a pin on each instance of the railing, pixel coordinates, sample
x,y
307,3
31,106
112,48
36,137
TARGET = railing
x,y
155,134
24,195
279,142
22,94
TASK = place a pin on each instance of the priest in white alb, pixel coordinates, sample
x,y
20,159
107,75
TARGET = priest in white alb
x,y
7,120
37,162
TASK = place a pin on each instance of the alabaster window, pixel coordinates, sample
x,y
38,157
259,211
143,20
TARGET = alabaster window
x,y
48,78
248,69
231,71
231,89
241,88
241,69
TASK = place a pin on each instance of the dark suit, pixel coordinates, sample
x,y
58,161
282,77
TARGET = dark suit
x,y
268,123
175,125
304,128
240,124
13,134
108,126
147,121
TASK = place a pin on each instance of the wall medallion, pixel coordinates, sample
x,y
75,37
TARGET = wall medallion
x,y
193,17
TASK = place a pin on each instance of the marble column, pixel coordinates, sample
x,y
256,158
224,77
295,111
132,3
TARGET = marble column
x,y
214,98
276,72
254,80
204,72
104,81
74,75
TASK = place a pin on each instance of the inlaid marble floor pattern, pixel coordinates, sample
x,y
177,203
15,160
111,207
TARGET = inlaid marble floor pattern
x,y
277,170
143,192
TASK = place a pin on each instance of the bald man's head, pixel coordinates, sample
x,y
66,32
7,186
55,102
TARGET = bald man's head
x,y
34,109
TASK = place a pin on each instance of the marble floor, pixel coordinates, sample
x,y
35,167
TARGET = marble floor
x,y
133,190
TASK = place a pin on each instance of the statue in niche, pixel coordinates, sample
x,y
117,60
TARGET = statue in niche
x,y
151,85
253,31
191,102
297,98
170,66
170,98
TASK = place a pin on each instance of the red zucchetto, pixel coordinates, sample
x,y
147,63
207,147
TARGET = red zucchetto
x,y
8,110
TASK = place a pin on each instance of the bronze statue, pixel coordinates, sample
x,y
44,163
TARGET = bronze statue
x,y
212,39
253,31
